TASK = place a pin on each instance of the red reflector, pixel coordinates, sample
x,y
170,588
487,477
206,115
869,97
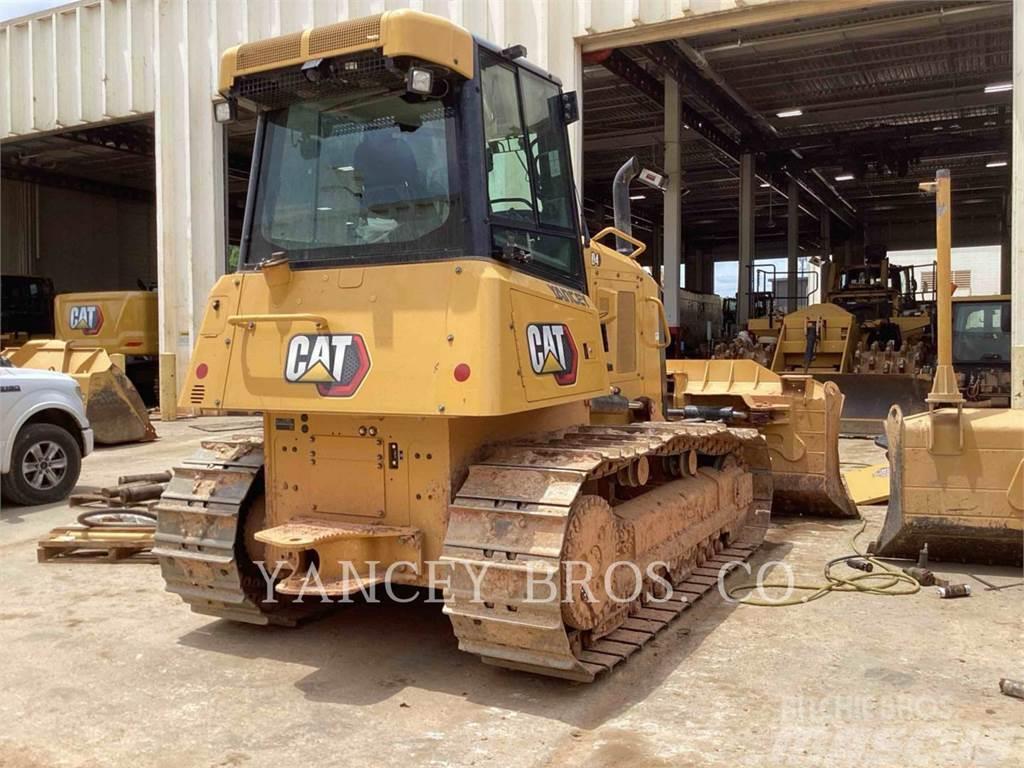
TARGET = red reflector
x,y
461,372
133,343
201,371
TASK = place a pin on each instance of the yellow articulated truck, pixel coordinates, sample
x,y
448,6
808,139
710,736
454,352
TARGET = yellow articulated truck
x,y
414,314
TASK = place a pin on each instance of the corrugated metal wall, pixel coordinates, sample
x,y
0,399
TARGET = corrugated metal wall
x,y
101,60
95,60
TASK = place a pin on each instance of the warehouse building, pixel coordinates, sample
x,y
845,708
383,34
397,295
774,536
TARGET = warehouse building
x,y
791,133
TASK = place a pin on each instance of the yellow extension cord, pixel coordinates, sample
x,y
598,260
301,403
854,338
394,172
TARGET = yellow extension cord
x,y
866,583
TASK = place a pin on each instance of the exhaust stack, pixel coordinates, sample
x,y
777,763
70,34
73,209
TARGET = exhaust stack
x,y
621,204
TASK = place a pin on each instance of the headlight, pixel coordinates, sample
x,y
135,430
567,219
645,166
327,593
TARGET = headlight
x,y
419,81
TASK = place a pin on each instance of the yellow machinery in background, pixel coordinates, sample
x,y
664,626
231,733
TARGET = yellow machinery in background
x,y
121,322
874,338
115,410
981,349
107,341
826,341
798,416
956,473
417,320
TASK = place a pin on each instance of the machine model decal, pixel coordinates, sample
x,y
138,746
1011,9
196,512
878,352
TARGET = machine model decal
x,y
336,363
87,318
552,350
569,296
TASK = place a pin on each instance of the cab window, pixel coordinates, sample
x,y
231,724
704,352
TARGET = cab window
x,y
528,173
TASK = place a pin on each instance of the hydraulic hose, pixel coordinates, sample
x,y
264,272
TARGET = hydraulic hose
x,y
885,580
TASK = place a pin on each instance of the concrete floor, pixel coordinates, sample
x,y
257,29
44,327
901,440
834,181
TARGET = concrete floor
x,y
101,667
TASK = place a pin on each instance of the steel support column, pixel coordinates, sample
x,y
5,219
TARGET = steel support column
x,y
792,243
746,239
1005,250
825,270
672,211
1017,213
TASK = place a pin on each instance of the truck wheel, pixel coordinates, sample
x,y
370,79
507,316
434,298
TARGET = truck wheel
x,y
45,465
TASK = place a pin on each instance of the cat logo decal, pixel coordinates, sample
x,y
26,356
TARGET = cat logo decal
x,y
335,363
552,351
87,318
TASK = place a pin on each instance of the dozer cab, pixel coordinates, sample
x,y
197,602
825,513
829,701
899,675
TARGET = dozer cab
x,y
956,473
107,341
981,349
414,315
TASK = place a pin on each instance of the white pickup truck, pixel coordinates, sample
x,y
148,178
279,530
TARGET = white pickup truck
x,y
44,434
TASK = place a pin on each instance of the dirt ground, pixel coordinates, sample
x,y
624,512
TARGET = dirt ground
x,y
101,667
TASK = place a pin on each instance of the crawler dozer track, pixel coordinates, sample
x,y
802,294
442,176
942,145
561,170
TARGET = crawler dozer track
x,y
205,522
529,510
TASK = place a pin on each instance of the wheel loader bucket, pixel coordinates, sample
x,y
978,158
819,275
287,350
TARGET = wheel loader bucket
x,y
798,416
113,406
956,484
869,396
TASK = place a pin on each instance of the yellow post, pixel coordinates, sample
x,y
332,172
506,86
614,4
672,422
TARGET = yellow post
x,y
168,386
944,388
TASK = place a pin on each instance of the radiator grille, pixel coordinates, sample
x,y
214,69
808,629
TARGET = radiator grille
x,y
625,333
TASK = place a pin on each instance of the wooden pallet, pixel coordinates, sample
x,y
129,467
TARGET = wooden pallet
x,y
106,544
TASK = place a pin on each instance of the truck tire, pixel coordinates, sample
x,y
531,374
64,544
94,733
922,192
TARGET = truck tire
x,y
45,465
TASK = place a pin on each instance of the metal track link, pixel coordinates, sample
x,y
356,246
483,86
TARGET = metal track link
x,y
200,534
509,522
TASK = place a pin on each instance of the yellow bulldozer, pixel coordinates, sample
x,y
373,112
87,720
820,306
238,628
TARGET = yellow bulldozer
x,y
418,322
956,473
798,416
106,341
877,344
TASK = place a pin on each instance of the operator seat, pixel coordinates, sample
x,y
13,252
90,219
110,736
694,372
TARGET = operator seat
x,y
390,175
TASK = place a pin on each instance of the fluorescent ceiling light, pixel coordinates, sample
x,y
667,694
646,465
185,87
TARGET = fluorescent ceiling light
x,y
638,197
998,87
344,168
324,208
844,177
765,185
789,113
995,164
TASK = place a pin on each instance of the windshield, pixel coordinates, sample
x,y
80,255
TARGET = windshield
x,y
366,175
981,332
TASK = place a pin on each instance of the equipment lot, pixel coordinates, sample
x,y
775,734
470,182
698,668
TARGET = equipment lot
x,y
102,666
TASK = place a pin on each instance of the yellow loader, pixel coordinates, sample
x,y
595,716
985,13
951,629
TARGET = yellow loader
x,y
416,318
106,341
956,474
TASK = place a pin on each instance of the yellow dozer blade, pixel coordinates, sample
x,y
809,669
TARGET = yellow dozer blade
x,y
798,416
113,406
868,397
956,483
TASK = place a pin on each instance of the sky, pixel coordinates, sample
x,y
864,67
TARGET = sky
x,y
12,9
